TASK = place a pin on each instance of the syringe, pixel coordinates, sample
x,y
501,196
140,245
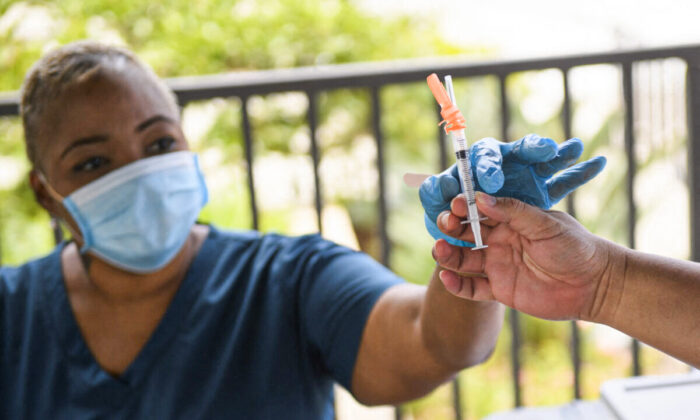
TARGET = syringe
x,y
454,126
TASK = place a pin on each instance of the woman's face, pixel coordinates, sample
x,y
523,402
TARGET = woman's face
x,y
99,125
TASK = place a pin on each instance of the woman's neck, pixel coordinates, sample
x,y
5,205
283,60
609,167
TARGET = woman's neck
x,y
92,275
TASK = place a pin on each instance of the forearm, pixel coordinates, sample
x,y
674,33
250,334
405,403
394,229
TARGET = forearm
x,y
459,333
656,300
417,338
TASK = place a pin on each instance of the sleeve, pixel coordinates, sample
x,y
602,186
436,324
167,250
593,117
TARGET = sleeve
x,y
338,291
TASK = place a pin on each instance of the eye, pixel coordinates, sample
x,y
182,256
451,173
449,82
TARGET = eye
x,y
163,144
91,164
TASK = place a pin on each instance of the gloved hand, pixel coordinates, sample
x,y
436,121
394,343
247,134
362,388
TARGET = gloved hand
x,y
523,169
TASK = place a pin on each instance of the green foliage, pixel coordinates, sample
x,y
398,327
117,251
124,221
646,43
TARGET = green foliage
x,y
182,37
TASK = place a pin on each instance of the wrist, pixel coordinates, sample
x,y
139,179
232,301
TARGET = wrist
x,y
609,287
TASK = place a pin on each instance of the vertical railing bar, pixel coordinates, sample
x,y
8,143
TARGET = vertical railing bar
x,y
576,358
312,119
248,146
442,163
571,209
515,356
505,113
693,123
513,314
57,231
457,398
376,110
379,139
566,122
692,93
663,102
627,93
649,132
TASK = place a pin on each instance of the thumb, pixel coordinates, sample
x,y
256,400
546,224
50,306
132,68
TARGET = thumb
x,y
523,218
487,163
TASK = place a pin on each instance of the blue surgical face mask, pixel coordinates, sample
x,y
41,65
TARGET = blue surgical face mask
x,y
139,216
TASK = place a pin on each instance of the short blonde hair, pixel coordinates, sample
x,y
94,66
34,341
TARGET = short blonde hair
x,y
66,66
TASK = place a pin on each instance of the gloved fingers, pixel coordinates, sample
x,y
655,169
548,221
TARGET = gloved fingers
x,y
449,183
435,232
436,192
568,153
533,149
487,161
561,185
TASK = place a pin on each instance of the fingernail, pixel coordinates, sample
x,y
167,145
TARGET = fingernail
x,y
443,278
486,199
449,284
443,250
444,217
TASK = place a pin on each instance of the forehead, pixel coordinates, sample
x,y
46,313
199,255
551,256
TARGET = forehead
x,y
107,101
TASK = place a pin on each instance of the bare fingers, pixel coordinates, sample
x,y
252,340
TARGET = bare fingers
x,y
458,206
451,225
467,287
459,259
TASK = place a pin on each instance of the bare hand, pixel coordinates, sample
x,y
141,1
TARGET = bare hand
x,y
543,263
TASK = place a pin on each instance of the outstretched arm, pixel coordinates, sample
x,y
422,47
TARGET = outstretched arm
x,y
546,264
418,337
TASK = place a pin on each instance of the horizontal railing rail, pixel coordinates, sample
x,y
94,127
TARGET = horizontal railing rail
x,y
247,83
374,76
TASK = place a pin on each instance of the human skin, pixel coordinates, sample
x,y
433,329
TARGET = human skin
x,y
111,117
546,264
416,337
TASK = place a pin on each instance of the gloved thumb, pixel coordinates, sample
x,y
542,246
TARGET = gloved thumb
x,y
436,233
487,162
523,218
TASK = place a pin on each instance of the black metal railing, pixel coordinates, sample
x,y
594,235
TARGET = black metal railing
x,y
375,76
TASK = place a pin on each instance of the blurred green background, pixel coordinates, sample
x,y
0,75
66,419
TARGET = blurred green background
x,y
185,38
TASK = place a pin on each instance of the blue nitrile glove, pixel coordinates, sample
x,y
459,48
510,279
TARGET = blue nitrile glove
x,y
522,169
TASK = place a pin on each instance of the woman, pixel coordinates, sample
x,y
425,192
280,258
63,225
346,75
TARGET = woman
x,y
147,314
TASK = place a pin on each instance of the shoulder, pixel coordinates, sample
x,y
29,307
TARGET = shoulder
x,y
276,256
275,246
304,255
22,292
20,280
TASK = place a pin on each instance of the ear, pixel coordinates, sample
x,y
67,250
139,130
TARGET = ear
x,y
41,193
52,205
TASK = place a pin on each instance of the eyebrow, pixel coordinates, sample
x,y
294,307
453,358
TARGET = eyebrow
x,y
100,138
154,119
85,141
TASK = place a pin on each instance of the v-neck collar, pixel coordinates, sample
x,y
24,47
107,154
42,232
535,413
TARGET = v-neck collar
x,y
83,362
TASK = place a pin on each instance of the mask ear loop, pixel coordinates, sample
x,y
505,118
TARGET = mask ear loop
x,y
55,220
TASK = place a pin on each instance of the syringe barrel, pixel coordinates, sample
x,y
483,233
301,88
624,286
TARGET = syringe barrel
x,y
459,143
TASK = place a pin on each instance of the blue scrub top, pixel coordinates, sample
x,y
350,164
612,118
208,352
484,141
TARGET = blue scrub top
x,y
260,327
